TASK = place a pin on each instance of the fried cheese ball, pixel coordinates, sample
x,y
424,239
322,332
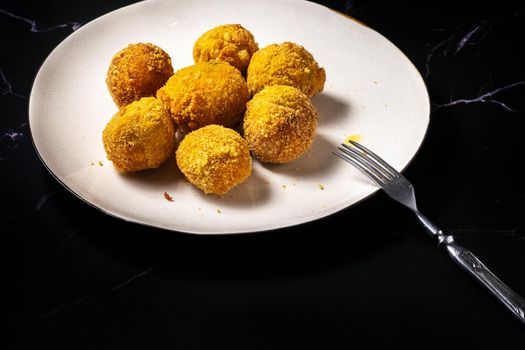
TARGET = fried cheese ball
x,y
140,136
229,43
285,64
205,93
136,71
214,158
279,124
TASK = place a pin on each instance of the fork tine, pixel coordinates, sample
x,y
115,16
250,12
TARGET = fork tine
x,y
375,157
370,161
362,168
367,162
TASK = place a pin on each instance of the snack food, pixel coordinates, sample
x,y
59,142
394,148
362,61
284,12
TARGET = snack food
x,y
203,101
285,64
229,43
140,136
205,93
137,71
279,124
214,158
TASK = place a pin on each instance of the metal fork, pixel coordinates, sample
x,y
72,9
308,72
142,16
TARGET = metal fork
x,y
401,190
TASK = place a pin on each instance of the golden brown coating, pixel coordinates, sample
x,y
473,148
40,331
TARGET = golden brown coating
x,y
279,124
230,43
205,93
136,71
214,158
285,64
140,136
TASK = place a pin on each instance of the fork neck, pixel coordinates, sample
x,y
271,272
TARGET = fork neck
x,y
434,231
429,226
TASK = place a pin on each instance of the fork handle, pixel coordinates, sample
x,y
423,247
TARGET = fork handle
x,y
468,261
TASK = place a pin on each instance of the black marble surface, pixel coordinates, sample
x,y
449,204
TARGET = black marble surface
x,y
75,278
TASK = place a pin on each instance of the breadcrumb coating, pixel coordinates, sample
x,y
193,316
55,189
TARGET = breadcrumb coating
x,y
279,124
230,43
205,93
214,158
136,71
285,64
140,136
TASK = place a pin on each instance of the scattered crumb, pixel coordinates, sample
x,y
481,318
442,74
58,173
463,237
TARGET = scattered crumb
x,y
219,211
284,186
297,169
353,137
168,197
321,187
200,209
266,182
100,163
293,184
91,163
386,105
375,81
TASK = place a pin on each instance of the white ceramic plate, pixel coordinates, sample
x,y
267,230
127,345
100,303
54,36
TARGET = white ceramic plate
x,y
372,90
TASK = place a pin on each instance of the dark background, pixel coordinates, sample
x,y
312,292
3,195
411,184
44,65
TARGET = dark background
x,y
75,278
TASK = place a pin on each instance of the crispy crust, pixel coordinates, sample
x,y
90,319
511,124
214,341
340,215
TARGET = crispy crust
x,y
205,93
140,136
285,64
214,158
230,43
279,124
136,71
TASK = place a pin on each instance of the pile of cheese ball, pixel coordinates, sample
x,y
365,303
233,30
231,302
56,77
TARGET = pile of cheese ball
x,y
233,89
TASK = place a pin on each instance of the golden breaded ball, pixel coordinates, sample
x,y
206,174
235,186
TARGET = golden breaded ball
x,y
279,124
214,158
205,93
230,43
140,136
136,71
285,64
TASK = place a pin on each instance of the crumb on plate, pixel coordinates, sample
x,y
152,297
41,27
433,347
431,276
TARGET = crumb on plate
x,y
168,197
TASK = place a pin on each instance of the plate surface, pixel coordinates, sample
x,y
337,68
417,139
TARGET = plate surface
x,y
372,91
